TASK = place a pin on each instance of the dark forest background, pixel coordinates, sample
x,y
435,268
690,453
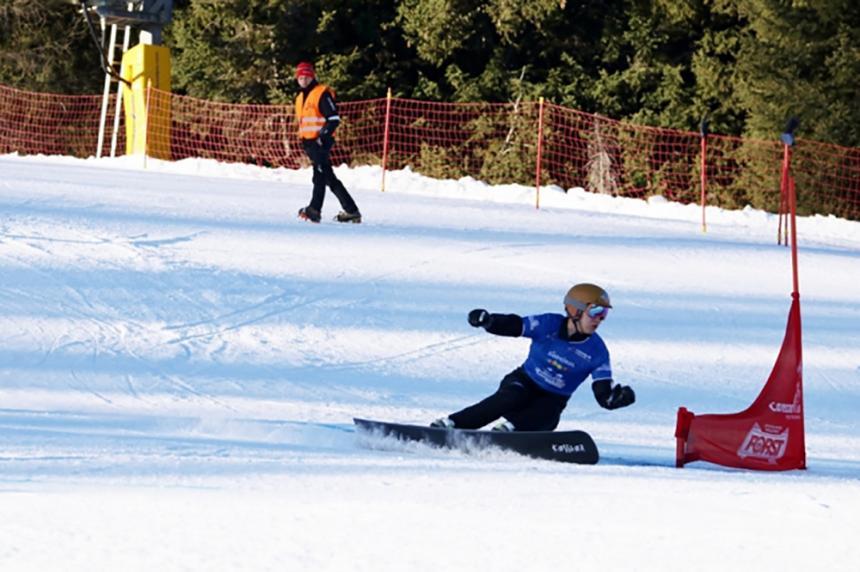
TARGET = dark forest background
x,y
745,64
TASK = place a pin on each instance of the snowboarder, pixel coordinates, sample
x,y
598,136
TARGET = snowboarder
x,y
565,350
317,117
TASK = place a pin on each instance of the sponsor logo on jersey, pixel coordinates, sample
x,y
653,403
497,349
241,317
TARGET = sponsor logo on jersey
x,y
768,444
582,354
555,357
555,380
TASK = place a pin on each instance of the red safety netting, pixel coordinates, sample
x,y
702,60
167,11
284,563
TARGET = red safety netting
x,y
51,124
492,142
256,134
262,135
611,157
531,143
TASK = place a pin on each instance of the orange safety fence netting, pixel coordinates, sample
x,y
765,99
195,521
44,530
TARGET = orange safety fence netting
x,y
491,142
51,124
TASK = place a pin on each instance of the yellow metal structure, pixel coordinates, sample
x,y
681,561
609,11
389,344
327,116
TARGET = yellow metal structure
x,y
147,111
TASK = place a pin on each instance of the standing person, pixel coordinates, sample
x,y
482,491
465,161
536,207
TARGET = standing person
x,y
316,114
565,349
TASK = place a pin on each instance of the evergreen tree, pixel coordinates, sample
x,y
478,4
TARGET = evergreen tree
x,y
627,59
46,46
747,65
714,66
645,68
801,59
246,50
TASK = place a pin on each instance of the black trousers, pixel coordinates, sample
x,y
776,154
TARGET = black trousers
x,y
519,400
320,156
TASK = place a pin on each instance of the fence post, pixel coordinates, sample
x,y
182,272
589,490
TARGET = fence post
x,y
703,134
146,111
539,153
385,136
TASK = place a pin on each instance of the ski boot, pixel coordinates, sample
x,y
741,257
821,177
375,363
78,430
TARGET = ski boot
x,y
309,213
344,216
443,423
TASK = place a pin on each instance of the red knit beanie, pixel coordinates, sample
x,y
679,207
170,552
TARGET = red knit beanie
x,y
305,69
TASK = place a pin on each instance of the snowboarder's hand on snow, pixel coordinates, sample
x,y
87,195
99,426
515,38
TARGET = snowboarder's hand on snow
x,y
479,318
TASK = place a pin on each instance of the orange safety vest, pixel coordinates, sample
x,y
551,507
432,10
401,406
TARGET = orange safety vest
x,y
308,112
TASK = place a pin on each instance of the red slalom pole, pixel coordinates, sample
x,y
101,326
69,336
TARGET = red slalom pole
x,y
792,204
785,207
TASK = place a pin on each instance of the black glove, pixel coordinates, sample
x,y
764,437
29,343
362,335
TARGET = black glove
x,y
325,140
480,318
610,397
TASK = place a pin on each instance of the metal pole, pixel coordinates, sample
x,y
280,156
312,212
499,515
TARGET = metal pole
x,y
146,112
106,94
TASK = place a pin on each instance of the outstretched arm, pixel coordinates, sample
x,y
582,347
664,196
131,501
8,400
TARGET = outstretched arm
x,y
499,324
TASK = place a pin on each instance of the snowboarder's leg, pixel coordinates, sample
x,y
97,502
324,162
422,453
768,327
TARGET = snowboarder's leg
x,y
541,414
513,394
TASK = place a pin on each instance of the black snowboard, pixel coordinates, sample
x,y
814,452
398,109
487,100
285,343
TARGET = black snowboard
x,y
565,446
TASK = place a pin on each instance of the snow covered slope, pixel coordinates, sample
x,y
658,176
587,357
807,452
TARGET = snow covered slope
x,y
181,358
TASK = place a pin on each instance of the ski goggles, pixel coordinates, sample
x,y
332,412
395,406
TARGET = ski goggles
x,y
597,311
593,310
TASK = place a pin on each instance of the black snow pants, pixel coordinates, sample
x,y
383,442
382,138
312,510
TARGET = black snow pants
x,y
320,156
519,400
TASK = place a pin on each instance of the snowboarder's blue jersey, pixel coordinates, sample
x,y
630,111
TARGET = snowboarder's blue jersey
x,y
560,365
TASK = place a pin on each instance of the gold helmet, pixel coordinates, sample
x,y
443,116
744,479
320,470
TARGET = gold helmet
x,y
581,295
